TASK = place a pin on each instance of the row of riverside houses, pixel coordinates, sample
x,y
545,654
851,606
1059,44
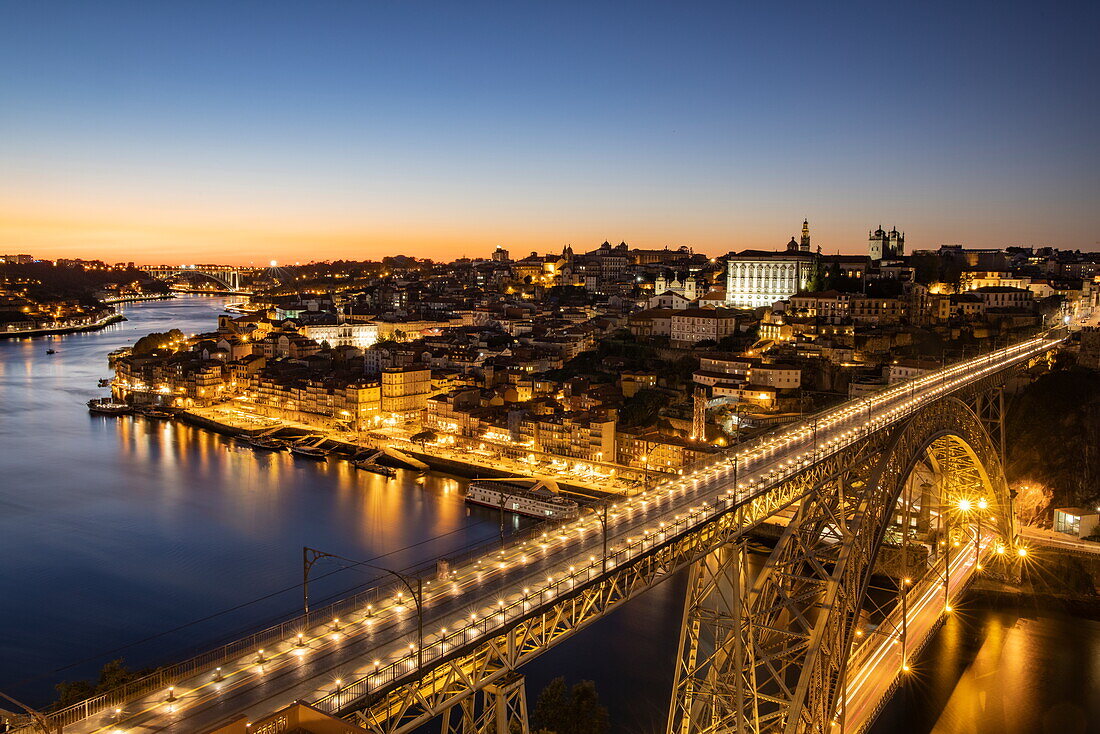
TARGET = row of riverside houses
x,y
617,355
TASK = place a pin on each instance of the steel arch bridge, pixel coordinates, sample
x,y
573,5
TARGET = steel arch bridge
x,y
226,276
772,661
773,657
867,483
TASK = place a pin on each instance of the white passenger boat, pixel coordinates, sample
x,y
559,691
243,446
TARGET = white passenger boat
x,y
107,406
537,500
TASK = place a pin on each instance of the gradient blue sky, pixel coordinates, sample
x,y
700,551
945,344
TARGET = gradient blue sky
x,y
245,131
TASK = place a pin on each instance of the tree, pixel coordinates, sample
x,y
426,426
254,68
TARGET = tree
x,y
1032,501
551,707
1052,434
926,268
496,341
641,410
424,437
587,716
157,340
573,711
112,675
623,335
70,692
818,279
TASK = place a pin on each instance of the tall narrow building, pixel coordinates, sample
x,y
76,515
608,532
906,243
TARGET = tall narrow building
x,y
884,245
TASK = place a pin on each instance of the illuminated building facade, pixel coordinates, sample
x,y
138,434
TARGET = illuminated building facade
x,y
761,277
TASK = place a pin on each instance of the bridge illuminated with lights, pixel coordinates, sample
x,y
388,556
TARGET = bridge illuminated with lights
x,y
904,489
227,277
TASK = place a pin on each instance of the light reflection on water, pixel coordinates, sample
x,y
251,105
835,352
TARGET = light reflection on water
x,y
993,670
115,529
112,530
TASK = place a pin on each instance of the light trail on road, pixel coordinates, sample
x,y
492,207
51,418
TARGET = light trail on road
x,y
479,597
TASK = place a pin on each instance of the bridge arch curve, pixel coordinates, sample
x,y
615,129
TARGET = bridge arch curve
x,y
806,603
228,278
209,276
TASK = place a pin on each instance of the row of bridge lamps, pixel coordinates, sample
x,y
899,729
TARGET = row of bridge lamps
x,y
311,556
966,506
963,505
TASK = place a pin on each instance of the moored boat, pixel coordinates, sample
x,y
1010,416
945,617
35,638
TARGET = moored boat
x,y
532,501
265,443
376,468
309,452
107,406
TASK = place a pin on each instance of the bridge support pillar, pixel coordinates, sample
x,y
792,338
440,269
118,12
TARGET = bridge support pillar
x,y
708,693
502,710
989,406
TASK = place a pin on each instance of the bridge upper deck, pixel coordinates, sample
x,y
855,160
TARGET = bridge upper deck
x,y
375,647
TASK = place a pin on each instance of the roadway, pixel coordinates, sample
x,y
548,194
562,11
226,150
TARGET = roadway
x,y
883,659
1061,541
481,595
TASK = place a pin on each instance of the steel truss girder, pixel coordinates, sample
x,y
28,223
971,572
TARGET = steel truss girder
x,y
503,706
403,706
774,659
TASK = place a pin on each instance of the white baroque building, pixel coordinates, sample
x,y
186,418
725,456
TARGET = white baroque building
x,y
761,277
361,335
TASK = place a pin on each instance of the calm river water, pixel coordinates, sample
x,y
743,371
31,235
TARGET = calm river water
x,y
113,531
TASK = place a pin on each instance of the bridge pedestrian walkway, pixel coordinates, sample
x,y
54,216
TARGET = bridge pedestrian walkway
x,y
372,646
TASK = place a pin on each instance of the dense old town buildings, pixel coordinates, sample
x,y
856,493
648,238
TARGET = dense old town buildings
x,y
648,359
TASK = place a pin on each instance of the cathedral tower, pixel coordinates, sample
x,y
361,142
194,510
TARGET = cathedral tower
x,y
884,245
876,244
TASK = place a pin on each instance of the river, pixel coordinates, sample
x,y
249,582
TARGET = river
x,y
114,531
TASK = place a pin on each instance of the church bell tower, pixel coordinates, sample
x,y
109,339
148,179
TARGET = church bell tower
x,y
804,245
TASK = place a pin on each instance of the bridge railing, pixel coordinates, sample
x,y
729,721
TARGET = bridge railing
x,y
345,608
514,608
287,630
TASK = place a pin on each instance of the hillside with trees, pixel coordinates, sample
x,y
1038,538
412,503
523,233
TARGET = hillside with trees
x,y
1053,438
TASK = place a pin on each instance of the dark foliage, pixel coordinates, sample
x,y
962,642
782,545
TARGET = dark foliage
x,y
157,340
642,408
51,282
1053,435
560,710
112,675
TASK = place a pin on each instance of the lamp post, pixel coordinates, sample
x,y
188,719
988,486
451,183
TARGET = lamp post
x,y
982,505
310,556
904,586
601,515
946,525
814,441
418,598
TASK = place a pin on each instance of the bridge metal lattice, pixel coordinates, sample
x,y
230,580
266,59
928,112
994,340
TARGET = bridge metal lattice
x,y
225,276
772,656
774,659
407,704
